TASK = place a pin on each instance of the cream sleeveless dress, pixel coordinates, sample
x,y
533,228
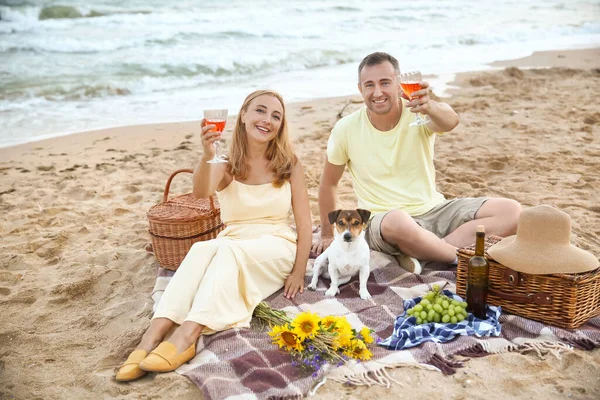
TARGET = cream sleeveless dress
x,y
221,281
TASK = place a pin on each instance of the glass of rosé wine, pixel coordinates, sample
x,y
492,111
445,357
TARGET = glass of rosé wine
x,y
410,82
218,118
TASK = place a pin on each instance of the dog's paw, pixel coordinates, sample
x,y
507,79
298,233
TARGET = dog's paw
x,y
332,291
312,286
364,294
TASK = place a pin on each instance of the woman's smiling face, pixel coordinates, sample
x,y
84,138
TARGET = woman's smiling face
x,y
263,118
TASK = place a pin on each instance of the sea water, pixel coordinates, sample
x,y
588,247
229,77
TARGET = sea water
x,y
113,63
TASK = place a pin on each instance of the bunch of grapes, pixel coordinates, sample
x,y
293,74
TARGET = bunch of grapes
x,y
437,307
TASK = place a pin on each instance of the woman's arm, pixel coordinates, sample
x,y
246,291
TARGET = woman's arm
x,y
207,177
295,282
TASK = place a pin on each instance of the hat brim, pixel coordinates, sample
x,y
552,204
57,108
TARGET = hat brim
x,y
543,258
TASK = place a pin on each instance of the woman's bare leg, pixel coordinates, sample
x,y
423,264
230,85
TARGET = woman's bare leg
x,y
156,332
186,335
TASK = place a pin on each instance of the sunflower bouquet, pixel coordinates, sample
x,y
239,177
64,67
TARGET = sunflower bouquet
x,y
314,341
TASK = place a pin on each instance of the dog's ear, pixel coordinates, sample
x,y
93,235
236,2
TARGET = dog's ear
x,y
364,214
333,216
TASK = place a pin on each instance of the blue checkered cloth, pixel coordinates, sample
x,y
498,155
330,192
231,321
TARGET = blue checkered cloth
x,y
408,334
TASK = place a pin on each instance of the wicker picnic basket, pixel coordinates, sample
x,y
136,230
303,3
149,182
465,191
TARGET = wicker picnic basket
x,y
563,300
177,223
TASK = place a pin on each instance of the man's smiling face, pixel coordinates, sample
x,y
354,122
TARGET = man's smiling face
x,y
379,87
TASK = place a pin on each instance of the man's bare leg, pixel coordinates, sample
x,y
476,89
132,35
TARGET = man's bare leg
x,y
499,216
398,228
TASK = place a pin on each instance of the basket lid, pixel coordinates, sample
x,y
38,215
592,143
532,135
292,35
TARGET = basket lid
x,y
184,208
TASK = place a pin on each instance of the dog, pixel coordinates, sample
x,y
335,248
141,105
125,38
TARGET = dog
x,y
347,255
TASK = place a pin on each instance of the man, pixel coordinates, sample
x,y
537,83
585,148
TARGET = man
x,y
391,165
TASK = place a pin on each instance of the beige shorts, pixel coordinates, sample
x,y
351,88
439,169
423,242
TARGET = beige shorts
x,y
441,220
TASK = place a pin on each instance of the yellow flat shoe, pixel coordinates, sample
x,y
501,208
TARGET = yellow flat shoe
x,y
130,370
164,358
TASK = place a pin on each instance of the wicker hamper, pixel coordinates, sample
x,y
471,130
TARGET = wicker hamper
x,y
563,300
177,223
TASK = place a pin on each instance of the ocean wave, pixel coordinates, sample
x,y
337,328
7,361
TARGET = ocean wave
x,y
25,11
64,92
59,42
138,78
72,45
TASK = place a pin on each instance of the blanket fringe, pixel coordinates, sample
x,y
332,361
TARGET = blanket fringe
x,y
289,397
473,352
543,348
582,343
376,376
445,365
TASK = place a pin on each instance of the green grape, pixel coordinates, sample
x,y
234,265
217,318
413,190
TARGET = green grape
x,y
435,306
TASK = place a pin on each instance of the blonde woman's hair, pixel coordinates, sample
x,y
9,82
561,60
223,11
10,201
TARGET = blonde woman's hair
x,y
279,150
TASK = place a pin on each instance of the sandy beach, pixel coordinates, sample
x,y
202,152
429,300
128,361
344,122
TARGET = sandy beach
x,y
75,279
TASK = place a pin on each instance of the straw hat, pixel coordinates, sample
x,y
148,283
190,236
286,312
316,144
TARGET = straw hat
x,y
542,245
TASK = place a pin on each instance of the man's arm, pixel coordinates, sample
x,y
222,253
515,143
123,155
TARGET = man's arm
x,y
443,117
327,189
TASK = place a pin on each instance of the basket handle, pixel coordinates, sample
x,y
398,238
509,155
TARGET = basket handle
x,y
168,186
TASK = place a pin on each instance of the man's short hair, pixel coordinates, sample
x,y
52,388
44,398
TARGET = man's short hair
x,y
376,59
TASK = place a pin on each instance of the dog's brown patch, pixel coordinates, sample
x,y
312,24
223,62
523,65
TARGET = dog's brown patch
x,y
352,220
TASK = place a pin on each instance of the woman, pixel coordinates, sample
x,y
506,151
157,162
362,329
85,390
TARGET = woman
x,y
221,281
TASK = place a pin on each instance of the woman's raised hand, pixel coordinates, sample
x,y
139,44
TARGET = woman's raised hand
x,y
208,137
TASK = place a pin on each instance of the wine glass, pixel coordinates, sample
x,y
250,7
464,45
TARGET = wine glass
x,y
410,82
218,118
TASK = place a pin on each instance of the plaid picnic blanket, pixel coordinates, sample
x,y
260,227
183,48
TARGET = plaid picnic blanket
x,y
242,363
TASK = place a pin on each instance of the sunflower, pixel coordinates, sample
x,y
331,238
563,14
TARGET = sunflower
x,y
306,325
328,323
333,323
284,336
343,339
342,325
366,335
359,351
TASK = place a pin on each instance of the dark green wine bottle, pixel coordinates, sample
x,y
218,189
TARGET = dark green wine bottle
x,y
477,277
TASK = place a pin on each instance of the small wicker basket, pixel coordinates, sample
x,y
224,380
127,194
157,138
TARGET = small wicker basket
x,y
178,223
563,300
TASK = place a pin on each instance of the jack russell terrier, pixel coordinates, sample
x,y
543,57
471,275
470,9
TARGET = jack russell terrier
x,y
347,255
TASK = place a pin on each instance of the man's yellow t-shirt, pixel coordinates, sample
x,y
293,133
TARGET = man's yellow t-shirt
x,y
390,170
